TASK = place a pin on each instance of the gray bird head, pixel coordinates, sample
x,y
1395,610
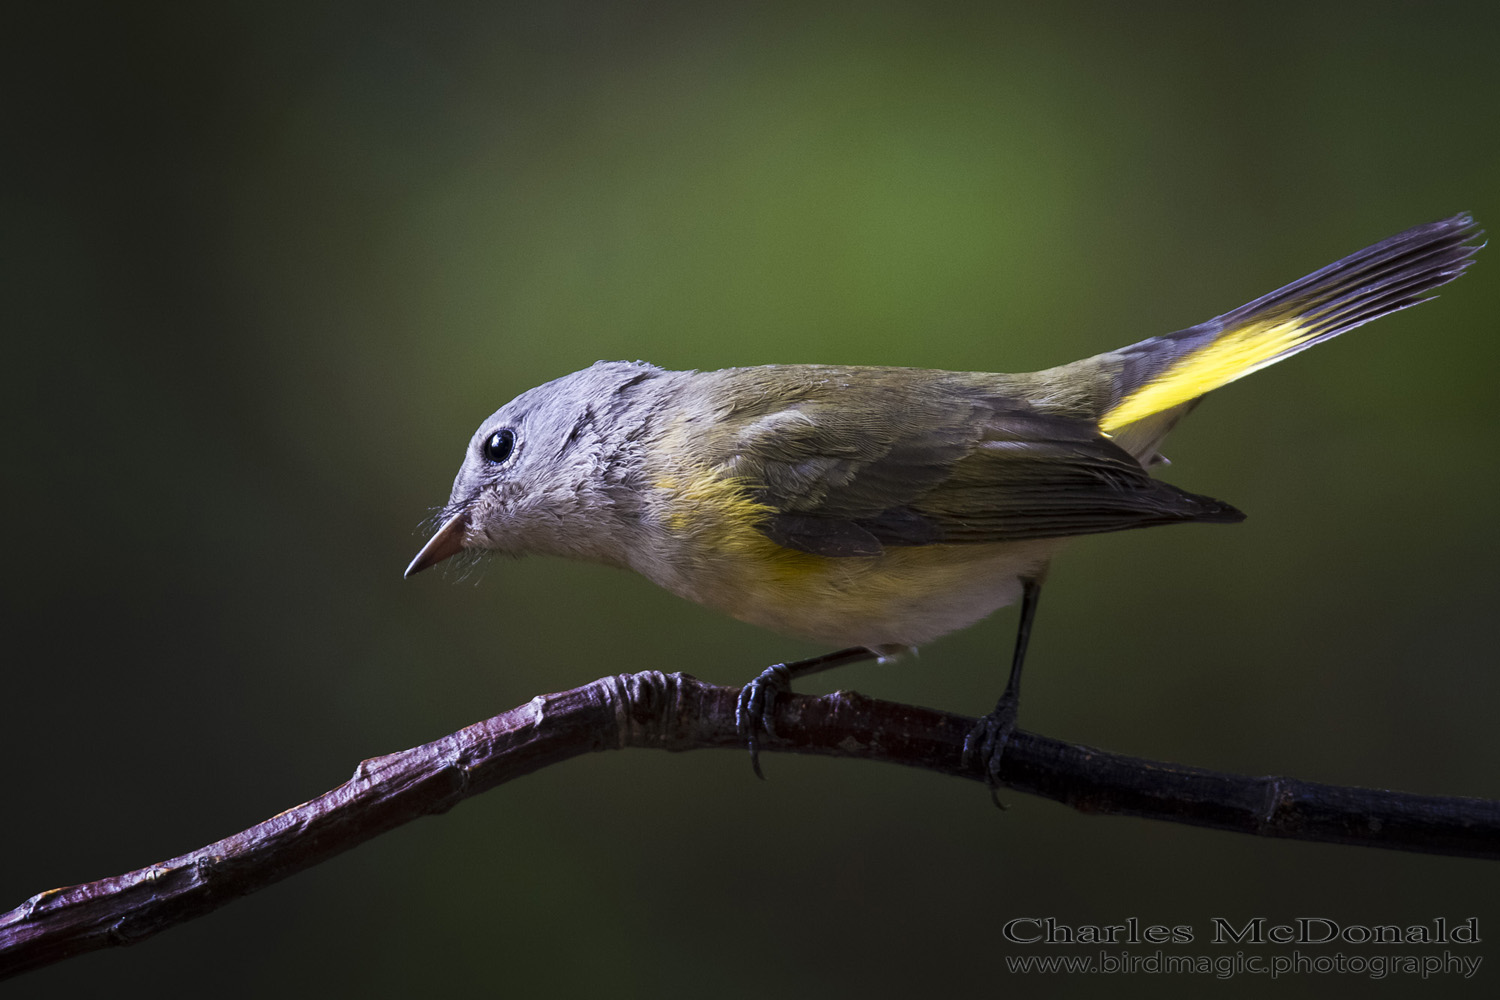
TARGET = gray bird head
x,y
552,470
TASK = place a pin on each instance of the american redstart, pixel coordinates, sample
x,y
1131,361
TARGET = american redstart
x,y
880,508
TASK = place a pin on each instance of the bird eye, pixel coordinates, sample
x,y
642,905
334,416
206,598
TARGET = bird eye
x,y
498,446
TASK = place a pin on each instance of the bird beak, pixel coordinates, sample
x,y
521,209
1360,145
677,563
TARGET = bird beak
x,y
449,541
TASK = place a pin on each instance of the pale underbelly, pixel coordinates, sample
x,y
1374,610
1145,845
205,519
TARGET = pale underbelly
x,y
906,597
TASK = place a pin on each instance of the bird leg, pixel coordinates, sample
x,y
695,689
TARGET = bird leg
x,y
986,741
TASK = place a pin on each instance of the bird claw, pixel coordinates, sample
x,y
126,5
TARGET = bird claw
x,y
756,705
986,742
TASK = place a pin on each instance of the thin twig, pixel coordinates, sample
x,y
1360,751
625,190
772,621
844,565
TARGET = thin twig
x,y
678,712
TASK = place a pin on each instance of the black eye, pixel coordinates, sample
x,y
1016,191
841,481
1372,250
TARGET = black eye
x,y
498,446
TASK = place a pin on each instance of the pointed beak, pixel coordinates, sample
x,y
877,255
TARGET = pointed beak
x,y
449,541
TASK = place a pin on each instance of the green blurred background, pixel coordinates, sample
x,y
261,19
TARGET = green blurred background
x,y
267,265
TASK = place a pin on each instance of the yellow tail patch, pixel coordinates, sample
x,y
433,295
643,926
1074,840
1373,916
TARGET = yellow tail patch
x,y
1380,279
1233,354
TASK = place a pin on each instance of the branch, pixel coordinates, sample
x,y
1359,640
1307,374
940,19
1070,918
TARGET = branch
x,y
678,712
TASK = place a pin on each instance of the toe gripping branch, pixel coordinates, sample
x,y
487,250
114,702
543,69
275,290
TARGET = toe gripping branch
x,y
755,711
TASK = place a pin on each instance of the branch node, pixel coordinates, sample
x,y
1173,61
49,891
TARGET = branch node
x,y
1277,797
461,771
36,905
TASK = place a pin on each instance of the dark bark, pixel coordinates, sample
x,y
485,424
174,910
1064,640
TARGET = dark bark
x,y
677,712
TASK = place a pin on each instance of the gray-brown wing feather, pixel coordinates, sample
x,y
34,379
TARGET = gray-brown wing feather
x,y
964,470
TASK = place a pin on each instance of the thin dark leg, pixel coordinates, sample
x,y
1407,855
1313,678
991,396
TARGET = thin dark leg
x,y
988,737
758,698
1031,592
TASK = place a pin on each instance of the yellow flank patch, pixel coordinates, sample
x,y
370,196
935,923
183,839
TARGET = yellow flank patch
x,y
703,501
718,514
1233,354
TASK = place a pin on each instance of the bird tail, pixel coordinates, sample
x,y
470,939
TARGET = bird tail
x,y
1159,379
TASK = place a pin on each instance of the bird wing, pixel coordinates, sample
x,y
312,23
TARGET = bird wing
x,y
944,465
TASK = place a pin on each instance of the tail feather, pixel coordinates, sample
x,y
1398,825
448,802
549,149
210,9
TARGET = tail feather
x,y
1164,372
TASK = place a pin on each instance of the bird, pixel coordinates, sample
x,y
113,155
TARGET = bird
x,y
876,509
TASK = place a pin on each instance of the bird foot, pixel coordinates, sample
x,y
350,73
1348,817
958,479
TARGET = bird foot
x,y
986,741
757,704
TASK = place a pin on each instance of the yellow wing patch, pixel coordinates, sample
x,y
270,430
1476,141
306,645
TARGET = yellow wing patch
x,y
1233,354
